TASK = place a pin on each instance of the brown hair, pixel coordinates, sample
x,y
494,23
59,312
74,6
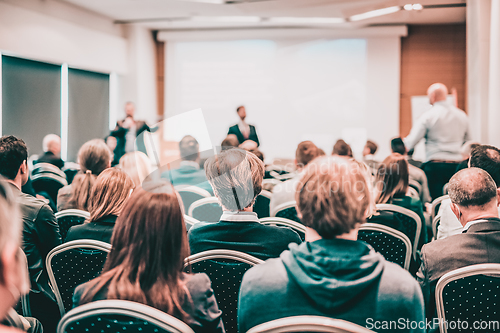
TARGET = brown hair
x,y
372,146
341,148
149,245
392,178
305,153
109,193
94,157
332,196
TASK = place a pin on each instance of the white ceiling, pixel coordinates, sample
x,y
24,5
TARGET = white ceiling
x,y
177,14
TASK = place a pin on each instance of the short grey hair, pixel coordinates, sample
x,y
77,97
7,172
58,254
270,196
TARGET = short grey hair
x,y
472,187
48,140
236,178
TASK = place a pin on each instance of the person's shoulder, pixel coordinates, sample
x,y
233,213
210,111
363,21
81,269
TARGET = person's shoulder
x,y
396,280
282,232
270,273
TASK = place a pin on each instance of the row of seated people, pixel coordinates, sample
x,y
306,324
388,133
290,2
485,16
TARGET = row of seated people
x,y
235,171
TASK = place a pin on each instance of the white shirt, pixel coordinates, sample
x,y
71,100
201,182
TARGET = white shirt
x,y
244,128
235,216
445,129
130,137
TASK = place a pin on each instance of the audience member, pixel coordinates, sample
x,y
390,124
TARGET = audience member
x,y
321,152
483,157
465,151
111,142
40,233
331,274
137,165
474,201
416,174
93,157
109,195
285,192
341,148
391,187
145,265
369,155
242,130
412,161
51,151
442,141
189,172
366,172
230,141
236,177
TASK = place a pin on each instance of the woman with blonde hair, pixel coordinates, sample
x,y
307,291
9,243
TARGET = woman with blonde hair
x,y
94,157
137,165
109,194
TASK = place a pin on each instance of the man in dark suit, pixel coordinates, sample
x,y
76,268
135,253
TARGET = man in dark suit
x,y
52,151
242,130
126,132
474,201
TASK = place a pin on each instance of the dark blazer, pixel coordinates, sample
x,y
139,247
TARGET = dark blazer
x,y
258,240
236,131
480,244
100,230
49,157
204,313
120,133
40,235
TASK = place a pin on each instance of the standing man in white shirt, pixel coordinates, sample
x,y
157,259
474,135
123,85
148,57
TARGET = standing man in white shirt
x,y
445,129
242,130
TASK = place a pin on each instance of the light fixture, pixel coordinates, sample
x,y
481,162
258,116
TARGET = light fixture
x,y
415,6
375,13
307,20
228,19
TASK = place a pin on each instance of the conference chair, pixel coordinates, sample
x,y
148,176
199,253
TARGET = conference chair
x,y
47,179
308,324
435,225
225,269
286,210
68,218
74,263
23,307
401,219
71,169
190,194
415,185
389,242
282,222
189,221
206,210
470,294
436,204
262,202
270,183
111,316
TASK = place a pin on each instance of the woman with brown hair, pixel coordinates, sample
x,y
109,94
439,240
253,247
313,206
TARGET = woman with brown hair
x,y
94,157
391,187
145,265
109,194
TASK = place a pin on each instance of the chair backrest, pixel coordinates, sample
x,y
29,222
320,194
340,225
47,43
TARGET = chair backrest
x,y
262,202
190,194
412,192
282,222
71,169
49,183
415,185
436,204
68,218
206,210
435,225
74,263
46,168
225,269
111,316
401,219
308,324
470,294
286,210
391,243
189,221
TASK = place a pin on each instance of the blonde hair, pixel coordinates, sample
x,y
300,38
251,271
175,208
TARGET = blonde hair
x,y
137,165
332,196
367,173
109,193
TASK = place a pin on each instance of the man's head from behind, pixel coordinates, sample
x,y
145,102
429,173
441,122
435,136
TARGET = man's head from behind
x,y
473,194
13,156
52,143
487,158
370,148
333,196
189,148
305,153
341,148
437,92
236,178
398,146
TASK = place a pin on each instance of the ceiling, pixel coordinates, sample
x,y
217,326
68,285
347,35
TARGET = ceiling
x,y
189,14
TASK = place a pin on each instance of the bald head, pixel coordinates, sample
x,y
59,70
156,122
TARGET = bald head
x,y
52,143
437,92
472,188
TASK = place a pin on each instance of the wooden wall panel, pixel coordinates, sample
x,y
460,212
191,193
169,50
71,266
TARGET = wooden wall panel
x,y
429,54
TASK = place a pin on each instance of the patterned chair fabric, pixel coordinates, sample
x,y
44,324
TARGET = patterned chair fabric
x,y
287,211
261,206
49,183
74,263
111,316
282,222
469,294
206,210
392,244
68,218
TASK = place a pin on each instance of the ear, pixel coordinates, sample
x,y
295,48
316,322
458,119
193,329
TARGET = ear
x,y
498,197
455,210
24,167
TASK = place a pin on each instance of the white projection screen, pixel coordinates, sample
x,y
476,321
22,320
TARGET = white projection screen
x,y
293,90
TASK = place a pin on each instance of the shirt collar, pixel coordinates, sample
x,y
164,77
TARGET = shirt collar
x,y
190,163
471,223
239,216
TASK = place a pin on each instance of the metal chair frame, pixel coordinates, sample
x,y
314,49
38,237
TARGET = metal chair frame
x,y
283,222
73,212
435,203
222,254
189,220
435,224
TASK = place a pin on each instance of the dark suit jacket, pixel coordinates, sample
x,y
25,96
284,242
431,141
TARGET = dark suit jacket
x,y
480,244
100,230
236,131
49,157
120,134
